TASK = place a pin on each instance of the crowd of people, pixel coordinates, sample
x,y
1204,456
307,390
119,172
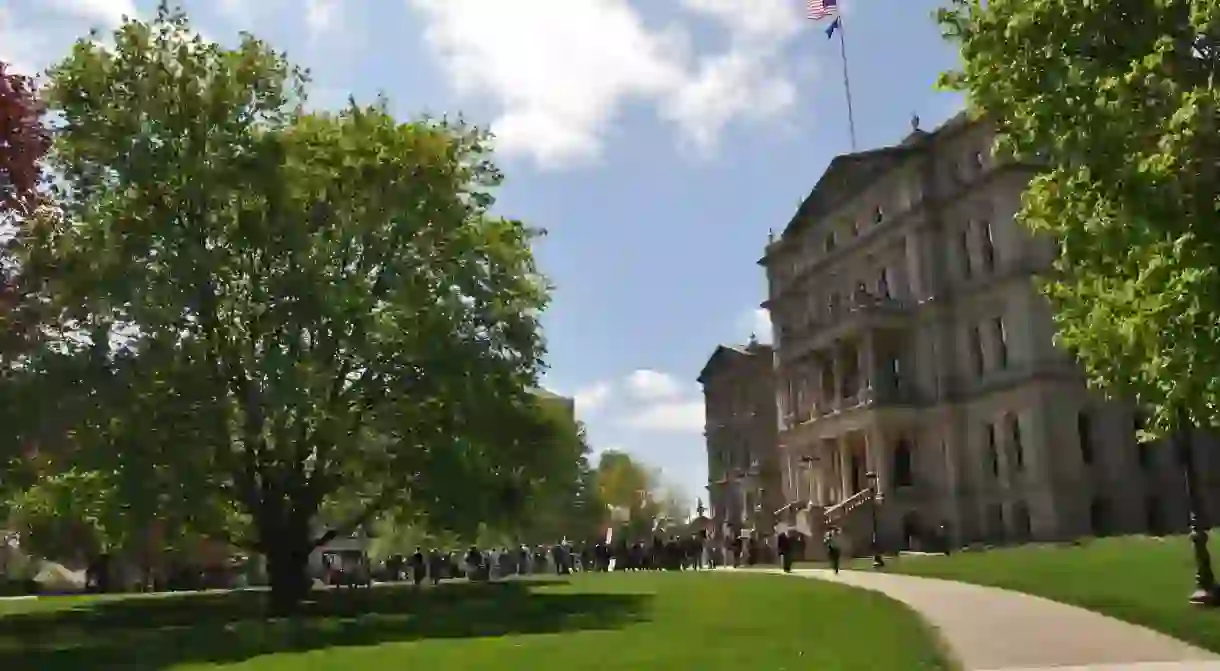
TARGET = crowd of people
x,y
674,553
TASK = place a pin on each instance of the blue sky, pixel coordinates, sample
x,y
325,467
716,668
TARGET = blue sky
x,y
656,140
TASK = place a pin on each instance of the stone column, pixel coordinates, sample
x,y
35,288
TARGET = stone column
x,y
914,267
867,358
879,457
844,451
837,362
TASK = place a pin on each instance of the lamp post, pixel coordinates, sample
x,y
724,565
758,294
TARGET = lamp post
x,y
878,562
1205,593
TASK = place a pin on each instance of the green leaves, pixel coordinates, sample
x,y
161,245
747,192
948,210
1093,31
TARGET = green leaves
x,y
1118,97
323,310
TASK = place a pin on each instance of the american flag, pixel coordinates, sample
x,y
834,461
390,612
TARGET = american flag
x,y
820,9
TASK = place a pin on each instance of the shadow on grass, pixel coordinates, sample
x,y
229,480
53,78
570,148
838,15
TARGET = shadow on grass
x,y
156,633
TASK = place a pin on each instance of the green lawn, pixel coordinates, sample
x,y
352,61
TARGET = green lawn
x,y
1135,578
658,622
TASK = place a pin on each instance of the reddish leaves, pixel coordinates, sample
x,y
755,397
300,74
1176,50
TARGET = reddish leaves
x,y
24,140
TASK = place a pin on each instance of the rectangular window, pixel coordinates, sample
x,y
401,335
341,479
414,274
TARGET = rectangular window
x,y
993,454
963,248
1084,433
988,246
828,245
976,351
1018,449
1001,341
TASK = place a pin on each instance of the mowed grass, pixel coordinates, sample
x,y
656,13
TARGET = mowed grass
x,y
659,622
1140,579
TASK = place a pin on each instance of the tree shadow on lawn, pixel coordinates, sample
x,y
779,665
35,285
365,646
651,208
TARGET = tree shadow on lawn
x,y
159,632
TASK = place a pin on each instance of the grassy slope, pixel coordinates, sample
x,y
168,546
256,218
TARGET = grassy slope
x,y
1138,579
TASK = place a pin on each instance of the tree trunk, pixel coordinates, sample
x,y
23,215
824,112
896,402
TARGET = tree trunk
x,y
288,572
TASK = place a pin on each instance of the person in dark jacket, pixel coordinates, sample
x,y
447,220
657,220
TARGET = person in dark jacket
x,y
783,544
832,550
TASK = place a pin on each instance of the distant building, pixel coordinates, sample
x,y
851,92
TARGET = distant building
x,y
744,476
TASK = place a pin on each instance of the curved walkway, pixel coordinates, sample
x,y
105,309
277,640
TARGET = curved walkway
x,y
990,629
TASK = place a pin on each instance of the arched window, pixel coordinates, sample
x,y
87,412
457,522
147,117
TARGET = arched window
x,y
904,475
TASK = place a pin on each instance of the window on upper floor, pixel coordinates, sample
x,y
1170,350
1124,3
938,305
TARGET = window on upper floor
x,y
976,351
904,472
829,242
978,160
963,251
1001,341
895,366
1084,434
993,452
988,245
878,214
832,302
883,283
1014,437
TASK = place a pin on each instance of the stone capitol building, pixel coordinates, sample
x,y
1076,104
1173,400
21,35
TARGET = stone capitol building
x,y
911,344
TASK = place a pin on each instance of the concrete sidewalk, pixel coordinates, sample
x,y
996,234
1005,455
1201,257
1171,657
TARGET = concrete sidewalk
x,y
990,629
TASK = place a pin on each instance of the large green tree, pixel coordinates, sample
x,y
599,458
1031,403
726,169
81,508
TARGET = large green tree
x,y
566,503
326,293
1118,100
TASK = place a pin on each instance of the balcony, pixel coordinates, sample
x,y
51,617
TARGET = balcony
x,y
855,411
863,312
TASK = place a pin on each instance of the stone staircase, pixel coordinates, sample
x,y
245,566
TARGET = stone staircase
x,y
852,518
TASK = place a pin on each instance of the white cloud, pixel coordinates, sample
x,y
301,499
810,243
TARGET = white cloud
x,y
321,15
591,398
756,322
669,416
651,385
29,45
561,71
107,13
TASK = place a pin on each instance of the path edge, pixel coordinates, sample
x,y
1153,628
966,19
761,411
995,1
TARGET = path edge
x,y
953,661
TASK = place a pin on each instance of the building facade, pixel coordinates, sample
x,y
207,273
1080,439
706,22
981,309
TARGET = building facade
x,y
744,471
913,347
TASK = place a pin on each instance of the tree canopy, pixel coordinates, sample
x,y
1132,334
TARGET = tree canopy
x,y
1117,99
23,141
304,309
637,492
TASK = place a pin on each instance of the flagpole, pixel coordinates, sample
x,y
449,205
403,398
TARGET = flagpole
x,y
851,117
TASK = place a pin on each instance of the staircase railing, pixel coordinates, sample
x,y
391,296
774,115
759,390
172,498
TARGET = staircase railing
x,y
840,510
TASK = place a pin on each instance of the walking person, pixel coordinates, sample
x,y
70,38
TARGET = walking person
x,y
783,544
418,567
832,551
